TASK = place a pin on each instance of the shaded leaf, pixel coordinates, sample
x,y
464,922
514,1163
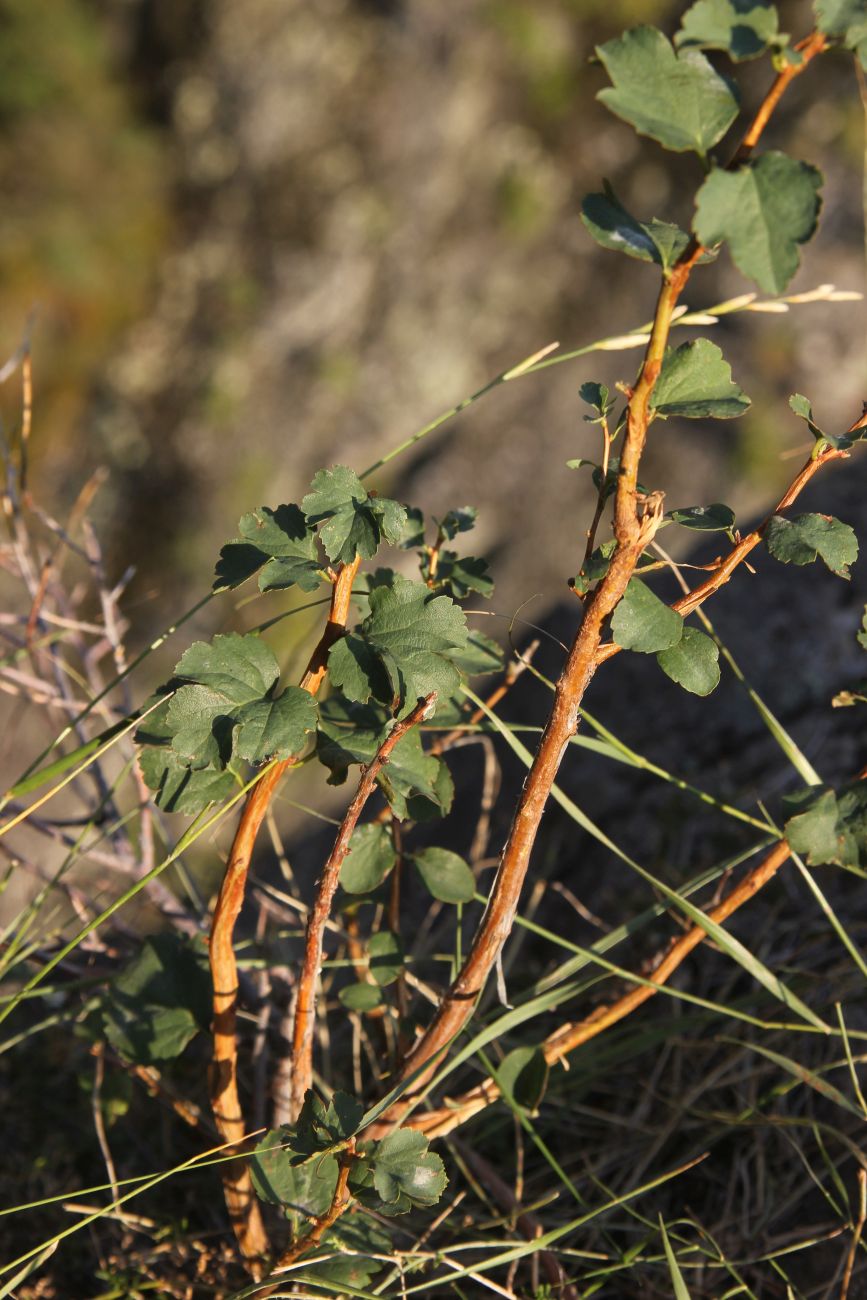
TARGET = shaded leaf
x,y
413,530
462,574
457,521
764,210
827,826
595,395
480,655
352,733
835,17
160,1001
643,622
523,1077
279,543
695,382
385,957
177,787
360,997
445,875
693,663
370,858
743,28
678,100
279,1178
716,518
807,537
613,227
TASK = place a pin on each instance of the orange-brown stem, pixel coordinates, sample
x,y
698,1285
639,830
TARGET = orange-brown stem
x,y
225,1101
305,1004
437,1123
635,522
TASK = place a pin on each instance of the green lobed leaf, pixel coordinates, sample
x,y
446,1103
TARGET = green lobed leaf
x,y
445,875
406,1173
764,210
160,1000
413,530
678,100
415,783
410,634
716,518
322,1126
278,542
803,408
370,858
693,663
829,827
480,655
743,28
807,537
613,227
457,521
385,957
229,708
460,575
862,635
350,521
695,382
643,622
279,1178
522,1077
177,787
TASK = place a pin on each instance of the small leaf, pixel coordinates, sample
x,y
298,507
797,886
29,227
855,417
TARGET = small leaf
x,y
802,539
802,407
643,622
523,1077
743,28
413,530
360,997
350,521
695,382
595,395
385,957
829,827
459,575
862,635
678,100
279,543
445,875
344,1114
693,663
764,210
716,518
406,1173
613,227
457,521
370,858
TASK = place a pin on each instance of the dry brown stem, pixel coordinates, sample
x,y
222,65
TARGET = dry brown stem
x,y
240,1199
305,1005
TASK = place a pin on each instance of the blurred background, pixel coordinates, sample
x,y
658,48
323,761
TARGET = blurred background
x,y
253,237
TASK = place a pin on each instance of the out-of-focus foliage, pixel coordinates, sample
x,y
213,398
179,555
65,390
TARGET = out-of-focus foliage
x,y
83,216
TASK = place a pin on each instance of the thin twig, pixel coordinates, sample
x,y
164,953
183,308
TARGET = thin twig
x,y
305,1005
856,1236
